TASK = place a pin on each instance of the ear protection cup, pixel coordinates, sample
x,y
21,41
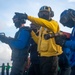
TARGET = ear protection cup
x,y
39,14
66,20
51,13
22,21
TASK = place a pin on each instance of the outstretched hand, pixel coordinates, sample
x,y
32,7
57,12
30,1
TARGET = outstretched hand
x,y
60,40
2,37
47,36
5,39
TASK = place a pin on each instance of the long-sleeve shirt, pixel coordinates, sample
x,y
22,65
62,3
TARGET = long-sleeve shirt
x,y
21,39
46,47
70,44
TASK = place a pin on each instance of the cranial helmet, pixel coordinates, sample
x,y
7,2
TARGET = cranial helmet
x,y
47,9
18,20
66,19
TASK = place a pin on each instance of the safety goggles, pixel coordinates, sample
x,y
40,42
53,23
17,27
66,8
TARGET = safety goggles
x,y
44,12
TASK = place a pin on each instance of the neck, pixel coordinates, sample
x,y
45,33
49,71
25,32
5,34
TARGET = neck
x,y
22,25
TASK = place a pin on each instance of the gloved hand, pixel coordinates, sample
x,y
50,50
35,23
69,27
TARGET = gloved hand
x,y
22,15
60,40
46,36
5,39
2,35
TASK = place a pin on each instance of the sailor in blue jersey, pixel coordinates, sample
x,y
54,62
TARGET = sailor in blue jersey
x,y
67,18
19,45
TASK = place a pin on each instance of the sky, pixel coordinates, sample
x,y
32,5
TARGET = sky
x,y
31,7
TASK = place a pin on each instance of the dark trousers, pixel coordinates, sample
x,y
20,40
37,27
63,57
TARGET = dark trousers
x,y
65,71
65,68
49,65
73,70
18,67
34,69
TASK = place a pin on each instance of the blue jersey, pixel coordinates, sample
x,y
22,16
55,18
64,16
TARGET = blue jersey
x,y
20,44
21,39
70,45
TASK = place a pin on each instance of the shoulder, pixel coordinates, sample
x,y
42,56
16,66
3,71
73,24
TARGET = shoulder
x,y
55,25
25,28
54,21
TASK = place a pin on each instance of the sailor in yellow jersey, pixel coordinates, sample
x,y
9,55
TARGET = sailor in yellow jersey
x,y
48,50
